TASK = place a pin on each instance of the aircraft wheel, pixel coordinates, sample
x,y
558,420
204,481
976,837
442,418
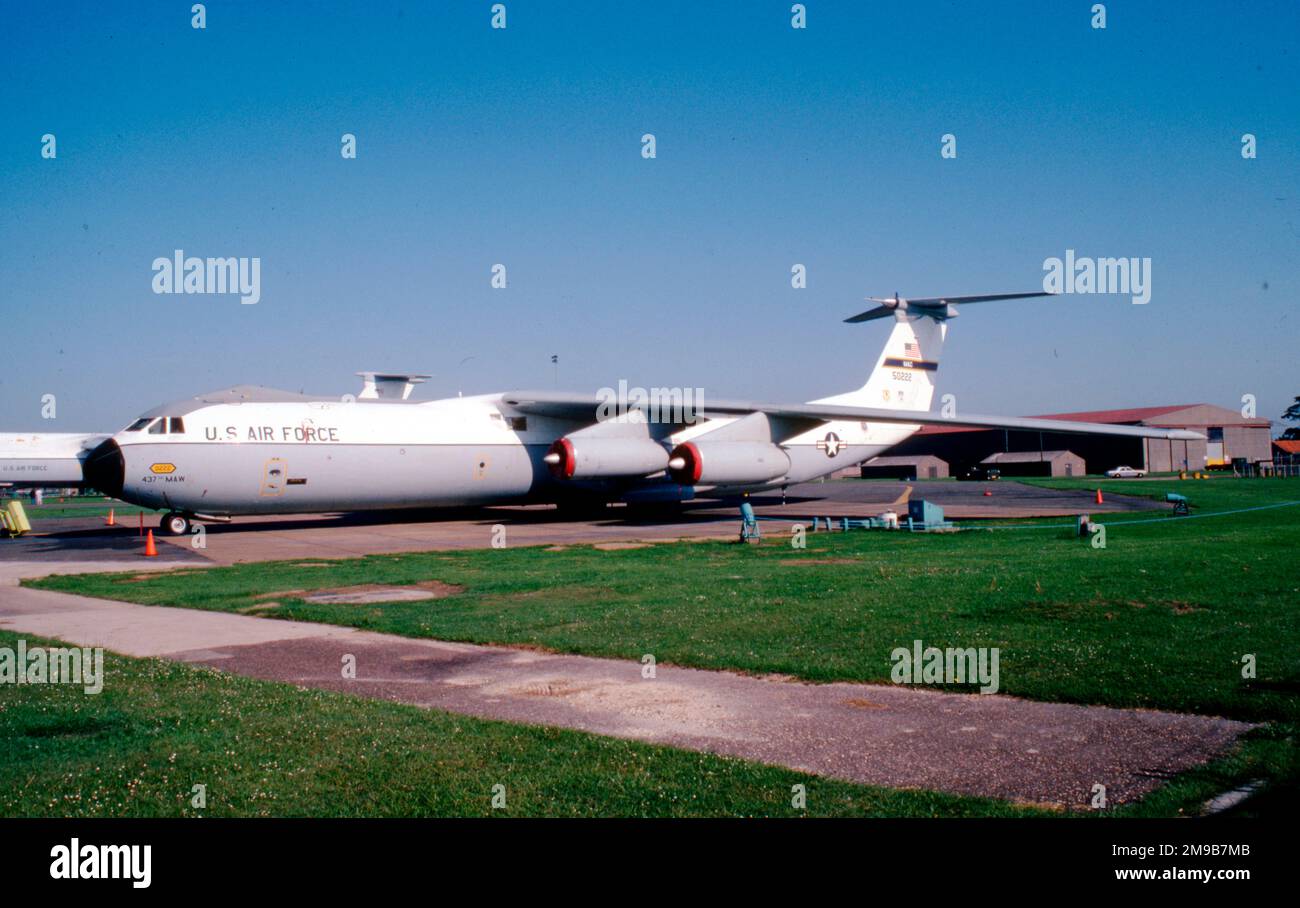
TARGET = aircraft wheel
x,y
174,524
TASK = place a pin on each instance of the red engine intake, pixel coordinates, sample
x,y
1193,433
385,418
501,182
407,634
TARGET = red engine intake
x,y
688,474
727,463
581,457
563,467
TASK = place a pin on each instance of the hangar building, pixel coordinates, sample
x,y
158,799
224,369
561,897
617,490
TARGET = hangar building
x,y
923,466
1037,463
1229,436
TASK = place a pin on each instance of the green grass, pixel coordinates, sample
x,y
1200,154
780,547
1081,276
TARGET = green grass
x,y
267,749
1160,618
80,506
1267,756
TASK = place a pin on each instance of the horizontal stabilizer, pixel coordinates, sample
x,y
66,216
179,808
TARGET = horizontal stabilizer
x,y
936,307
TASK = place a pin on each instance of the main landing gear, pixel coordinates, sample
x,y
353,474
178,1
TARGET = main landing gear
x,y
175,524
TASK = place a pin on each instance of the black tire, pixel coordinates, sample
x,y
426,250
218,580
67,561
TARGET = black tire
x,y
174,524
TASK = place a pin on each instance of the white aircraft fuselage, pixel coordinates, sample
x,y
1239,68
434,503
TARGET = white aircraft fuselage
x,y
275,457
249,451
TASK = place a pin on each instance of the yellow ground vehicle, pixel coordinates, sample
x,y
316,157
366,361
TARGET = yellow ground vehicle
x,y
13,519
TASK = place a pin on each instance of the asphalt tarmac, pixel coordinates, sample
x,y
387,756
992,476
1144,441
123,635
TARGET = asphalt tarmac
x,y
349,535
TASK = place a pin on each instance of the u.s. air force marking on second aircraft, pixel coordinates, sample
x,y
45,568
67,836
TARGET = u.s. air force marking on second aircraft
x,y
249,450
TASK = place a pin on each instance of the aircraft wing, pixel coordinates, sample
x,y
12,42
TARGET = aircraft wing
x,y
583,408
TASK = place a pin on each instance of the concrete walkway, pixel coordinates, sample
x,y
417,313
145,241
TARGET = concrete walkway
x,y
994,745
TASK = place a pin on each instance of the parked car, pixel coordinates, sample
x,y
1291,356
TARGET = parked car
x,y
978,473
1126,473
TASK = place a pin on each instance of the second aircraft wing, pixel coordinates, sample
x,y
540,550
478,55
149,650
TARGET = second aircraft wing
x,y
585,408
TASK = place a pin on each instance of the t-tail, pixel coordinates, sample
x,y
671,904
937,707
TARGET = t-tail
x,y
906,371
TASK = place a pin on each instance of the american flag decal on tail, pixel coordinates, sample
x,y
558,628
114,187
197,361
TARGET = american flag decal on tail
x,y
911,359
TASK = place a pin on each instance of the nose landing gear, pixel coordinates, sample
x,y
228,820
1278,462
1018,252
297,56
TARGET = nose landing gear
x,y
175,524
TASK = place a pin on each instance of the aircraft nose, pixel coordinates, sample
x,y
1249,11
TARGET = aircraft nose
x,y
106,468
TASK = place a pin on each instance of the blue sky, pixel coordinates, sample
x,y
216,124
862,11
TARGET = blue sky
x,y
522,146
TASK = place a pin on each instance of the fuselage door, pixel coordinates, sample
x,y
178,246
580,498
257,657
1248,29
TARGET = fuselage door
x,y
273,477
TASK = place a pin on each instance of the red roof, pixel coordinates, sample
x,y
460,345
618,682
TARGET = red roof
x,y
1290,447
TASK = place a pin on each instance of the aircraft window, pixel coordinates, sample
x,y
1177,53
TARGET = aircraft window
x,y
137,425
519,423
177,426
158,427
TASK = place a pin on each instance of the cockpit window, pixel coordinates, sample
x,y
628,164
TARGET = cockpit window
x,y
159,425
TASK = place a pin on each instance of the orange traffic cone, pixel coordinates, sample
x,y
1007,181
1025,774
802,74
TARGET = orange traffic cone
x,y
112,521
150,550
1099,501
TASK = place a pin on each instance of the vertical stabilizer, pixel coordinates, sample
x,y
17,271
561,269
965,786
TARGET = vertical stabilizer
x,y
905,372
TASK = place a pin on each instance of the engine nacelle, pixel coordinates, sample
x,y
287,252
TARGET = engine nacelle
x,y
727,462
590,458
